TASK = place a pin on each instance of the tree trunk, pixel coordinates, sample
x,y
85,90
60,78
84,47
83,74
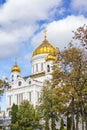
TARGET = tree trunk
x,y
86,122
82,124
77,120
69,123
72,123
72,115
83,116
77,117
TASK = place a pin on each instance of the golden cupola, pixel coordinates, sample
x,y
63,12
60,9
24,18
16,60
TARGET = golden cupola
x,y
15,68
44,48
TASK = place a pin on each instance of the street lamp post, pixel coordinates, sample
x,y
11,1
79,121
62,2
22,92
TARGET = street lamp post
x,y
3,127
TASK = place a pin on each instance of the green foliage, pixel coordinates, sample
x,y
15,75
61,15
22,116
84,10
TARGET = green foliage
x,y
14,110
47,105
26,117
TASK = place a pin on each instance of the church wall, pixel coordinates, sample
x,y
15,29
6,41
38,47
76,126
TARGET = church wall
x,y
24,92
37,62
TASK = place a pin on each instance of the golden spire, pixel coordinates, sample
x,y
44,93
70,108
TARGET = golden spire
x,y
45,31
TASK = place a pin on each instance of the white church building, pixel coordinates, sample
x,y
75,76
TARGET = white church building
x,y
29,88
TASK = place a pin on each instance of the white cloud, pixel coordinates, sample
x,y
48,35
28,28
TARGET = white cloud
x,y
26,10
18,20
59,32
79,5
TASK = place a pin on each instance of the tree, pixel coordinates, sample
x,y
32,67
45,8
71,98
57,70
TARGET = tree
x,y
66,93
47,106
3,85
14,111
25,118
62,124
68,123
81,35
72,78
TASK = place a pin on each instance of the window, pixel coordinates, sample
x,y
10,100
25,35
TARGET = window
x,y
29,82
37,96
33,68
36,67
9,100
19,98
12,80
18,76
30,96
12,77
19,83
41,66
48,68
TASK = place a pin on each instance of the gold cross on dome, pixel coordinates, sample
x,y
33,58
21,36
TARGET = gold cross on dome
x,y
45,31
15,60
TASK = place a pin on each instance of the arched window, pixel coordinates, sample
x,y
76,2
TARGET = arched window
x,y
41,66
18,76
29,96
33,68
19,83
48,68
36,67
29,82
12,77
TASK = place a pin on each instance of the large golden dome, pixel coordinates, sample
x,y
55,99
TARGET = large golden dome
x,y
45,47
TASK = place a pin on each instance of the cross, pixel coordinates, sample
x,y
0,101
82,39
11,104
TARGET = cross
x,y
45,34
15,60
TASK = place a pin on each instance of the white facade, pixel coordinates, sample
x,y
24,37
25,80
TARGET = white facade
x,y
29,88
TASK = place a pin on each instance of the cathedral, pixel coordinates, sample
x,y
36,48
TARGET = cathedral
x,y
29,88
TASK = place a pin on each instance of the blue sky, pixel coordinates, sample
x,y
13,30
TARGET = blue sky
x,y
21,29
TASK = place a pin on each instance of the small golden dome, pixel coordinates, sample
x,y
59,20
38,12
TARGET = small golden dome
x,y
50,57
15,68
45,47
